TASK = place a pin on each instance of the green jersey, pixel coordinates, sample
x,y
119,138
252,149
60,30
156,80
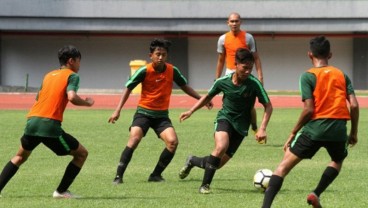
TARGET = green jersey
x,y
238,101
323,129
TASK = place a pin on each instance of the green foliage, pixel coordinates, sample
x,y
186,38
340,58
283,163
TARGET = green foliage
x,y
35,181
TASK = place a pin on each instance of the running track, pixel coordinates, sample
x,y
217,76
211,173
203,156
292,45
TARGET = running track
x,y
23,101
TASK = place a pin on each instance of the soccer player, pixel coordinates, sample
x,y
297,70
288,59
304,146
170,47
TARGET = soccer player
x,y
228,43
44,122
157,80
325,91
240,90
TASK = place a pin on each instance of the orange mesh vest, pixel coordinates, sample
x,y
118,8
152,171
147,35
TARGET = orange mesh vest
x,y
156,88
52,97
231,44
330,94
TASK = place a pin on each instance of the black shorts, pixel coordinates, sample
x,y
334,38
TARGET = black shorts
x,y
306,148
145,122
60,146
235,139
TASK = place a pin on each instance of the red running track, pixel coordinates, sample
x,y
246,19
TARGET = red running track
x,y
22,101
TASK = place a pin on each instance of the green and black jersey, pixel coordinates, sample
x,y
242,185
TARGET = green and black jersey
x,y
323,129
238,101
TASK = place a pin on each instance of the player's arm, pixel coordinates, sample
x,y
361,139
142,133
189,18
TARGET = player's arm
x,y
261,133
200,103
257,60
354,112
77,100
133,81
71,91
191,92
220,64
307,84
116,114
258,64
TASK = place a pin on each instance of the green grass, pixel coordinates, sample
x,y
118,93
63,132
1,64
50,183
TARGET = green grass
x,y
35,181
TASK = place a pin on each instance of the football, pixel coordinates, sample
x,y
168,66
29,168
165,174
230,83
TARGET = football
x,y
261,179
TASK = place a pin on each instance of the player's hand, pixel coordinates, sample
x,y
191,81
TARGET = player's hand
x,y
209,105
114,117
185,115
89,101
261,137
353,139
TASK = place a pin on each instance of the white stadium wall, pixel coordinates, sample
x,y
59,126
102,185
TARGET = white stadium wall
x,y
105,60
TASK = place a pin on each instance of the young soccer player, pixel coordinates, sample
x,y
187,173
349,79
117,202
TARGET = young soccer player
x,y
325,90
44,122
240,90
157,80
227,45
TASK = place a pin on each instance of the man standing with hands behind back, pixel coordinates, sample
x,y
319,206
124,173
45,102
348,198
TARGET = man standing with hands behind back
x,y
228,43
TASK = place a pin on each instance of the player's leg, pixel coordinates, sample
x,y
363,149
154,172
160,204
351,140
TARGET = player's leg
x,y
138,130
214,160
135,137
288,162
66,144
11,168
168,135
337,152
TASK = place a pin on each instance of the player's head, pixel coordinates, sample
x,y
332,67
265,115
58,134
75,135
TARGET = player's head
x,y
67,52
244,62
234,21
160,43
159,51
320,47
243,56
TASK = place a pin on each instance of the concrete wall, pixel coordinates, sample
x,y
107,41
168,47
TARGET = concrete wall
x,y
105,60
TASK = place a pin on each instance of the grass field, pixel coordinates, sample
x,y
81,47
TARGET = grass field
x,y
35,181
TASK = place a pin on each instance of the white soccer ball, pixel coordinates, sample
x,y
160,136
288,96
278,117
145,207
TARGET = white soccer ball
x,y
262,178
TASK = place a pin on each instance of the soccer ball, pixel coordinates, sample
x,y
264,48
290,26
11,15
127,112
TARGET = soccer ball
x,y
262,178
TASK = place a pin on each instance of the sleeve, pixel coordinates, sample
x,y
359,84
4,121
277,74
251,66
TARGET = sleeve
x,y
251,42
179,79
349,86
220,44
307,84
136,78
73,82
215,89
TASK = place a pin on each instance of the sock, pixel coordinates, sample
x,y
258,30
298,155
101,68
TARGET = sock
x,y
125,158
328,176
71,172
199,161
211,166
165,158
8,172
273,188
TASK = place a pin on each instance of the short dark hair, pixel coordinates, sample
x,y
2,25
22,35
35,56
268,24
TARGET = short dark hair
x,y
243,56
160,43
320,47
67,52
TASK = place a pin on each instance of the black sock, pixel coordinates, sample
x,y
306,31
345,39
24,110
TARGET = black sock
x,y
199,161
8,172
211,166
165,158
71,172
125,158
328,176
273,188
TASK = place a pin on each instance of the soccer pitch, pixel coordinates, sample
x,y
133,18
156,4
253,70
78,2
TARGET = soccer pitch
x,y
232,186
